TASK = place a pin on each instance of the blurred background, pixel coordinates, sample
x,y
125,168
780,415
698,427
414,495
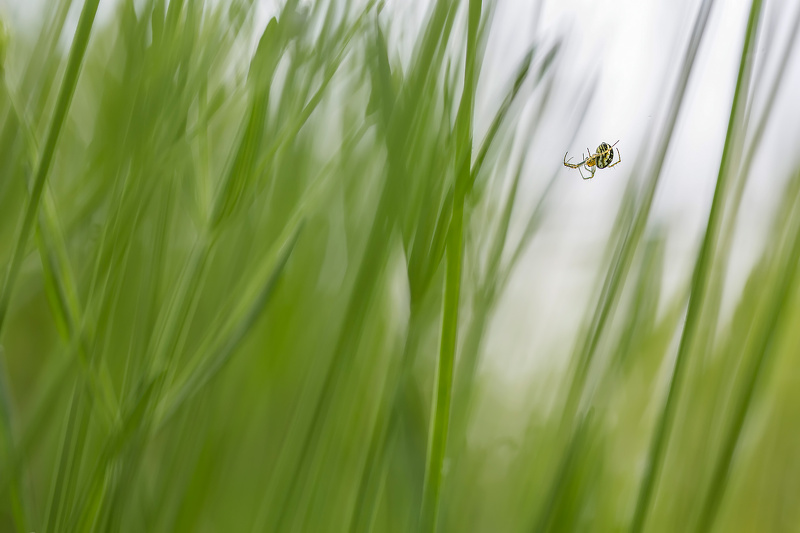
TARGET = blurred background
x,y
319,266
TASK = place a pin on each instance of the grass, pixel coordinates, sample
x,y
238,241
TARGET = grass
x,y
699,286
256,270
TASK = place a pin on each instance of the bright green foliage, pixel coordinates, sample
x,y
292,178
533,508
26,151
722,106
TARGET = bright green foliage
x,y
250,269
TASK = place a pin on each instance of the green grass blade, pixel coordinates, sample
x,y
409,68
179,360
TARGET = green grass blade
x,y
761,348
699,281
215,354
443,383
68,84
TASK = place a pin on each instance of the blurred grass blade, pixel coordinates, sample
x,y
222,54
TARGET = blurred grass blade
x,y
443,382
215,354
68,84
621,264
311,266
700,277
537,214
761,348
743,171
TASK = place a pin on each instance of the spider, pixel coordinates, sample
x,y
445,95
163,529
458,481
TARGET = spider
x,y
601,159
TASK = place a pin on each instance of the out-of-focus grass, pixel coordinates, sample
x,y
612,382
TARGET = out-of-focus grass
x,y
251,268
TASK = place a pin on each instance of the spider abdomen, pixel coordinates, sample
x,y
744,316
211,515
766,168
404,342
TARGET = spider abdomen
x,y
605,155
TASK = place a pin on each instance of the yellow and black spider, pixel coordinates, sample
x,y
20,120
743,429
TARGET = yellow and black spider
x,y
601,159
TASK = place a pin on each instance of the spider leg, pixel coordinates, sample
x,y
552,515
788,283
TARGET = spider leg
x,y
572,165
591,172
619,159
